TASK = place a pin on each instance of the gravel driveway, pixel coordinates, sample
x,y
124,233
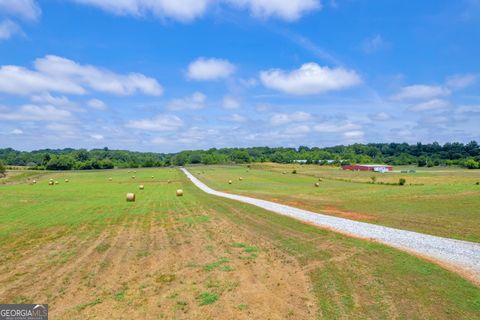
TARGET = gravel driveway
x,y
462,254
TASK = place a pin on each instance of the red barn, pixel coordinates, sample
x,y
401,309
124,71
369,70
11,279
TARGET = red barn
x,y
368,167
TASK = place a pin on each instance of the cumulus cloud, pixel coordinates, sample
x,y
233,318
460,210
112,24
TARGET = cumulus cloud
x,y
193,102
334,127
188,10
289,10
25,9
160,123
230,103
181,10
235,117
97,136
57,74
381,116
32,112
283,118
97,104
204,69
298,130
461,81
435,104
356,134
58,101
8,29
310,78
468,109
420,91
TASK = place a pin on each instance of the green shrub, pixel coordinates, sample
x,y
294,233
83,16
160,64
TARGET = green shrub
x,y
374,179
294,171
402,181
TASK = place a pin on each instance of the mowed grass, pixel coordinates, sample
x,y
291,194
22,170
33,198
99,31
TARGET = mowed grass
x,y
443,202
80,247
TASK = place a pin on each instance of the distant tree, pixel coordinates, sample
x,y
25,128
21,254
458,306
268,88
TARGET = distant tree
x,y
402,181
422,162
60,163
2,169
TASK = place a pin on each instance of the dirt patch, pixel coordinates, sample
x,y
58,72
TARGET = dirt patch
x,y
161,266
348,214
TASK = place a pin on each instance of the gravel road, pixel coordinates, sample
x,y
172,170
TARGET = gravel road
x,y
462,254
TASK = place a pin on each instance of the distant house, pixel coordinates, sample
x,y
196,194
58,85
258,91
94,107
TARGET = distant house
x,y
300,161
368,167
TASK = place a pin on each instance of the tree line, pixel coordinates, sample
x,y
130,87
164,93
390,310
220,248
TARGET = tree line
x,y
423,155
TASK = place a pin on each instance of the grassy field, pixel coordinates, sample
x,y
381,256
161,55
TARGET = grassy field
x,y
443,202
80,247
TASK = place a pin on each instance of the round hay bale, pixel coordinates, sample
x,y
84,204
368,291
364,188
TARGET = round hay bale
x,y
179,193
141,187
240,178
152,177
109,179
134,171
284,172
169,181
50,183
56,182
229,181
66,180
317,184
131,197
320,179
133,177
34,181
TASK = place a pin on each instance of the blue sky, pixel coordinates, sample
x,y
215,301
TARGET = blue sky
x,y
164,76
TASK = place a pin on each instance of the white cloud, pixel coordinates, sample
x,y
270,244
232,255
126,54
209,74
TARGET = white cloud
x,y
381,116
283,118
188,10
435,119
461,81
193,102
298,130
16,131
230,103
159,123
204,69
421,91
8,29
357,134
57,74
435,104
309,79
97,104
47,98
329,127
25,9
97,136
236,118
32,112
182,10
468,109
289,10
61,127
